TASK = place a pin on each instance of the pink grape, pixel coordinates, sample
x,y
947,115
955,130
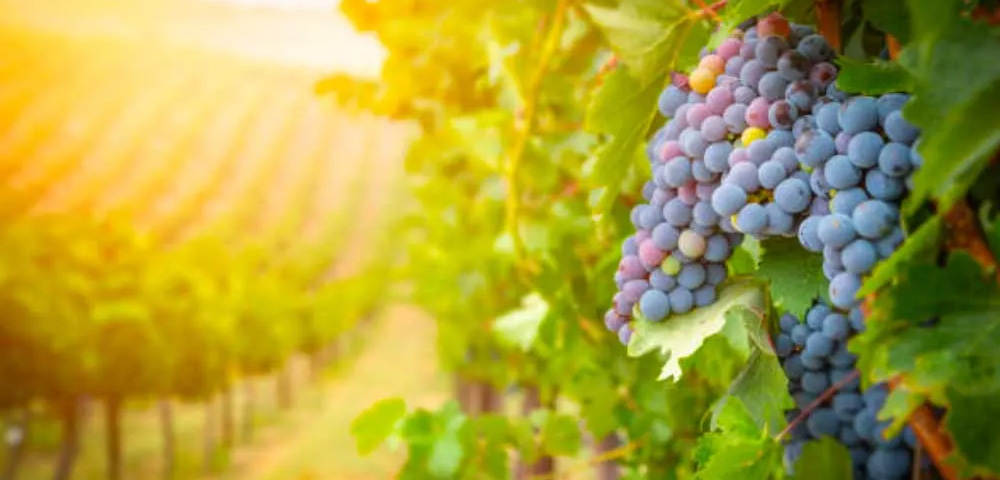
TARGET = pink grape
x,y
756,115
649,254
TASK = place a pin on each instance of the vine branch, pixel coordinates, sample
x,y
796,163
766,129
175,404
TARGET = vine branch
x,y
526,125
828,17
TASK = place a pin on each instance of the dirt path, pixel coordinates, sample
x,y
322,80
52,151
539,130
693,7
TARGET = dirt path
x,y
314,442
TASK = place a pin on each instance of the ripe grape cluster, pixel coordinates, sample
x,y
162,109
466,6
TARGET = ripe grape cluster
x,y
815,358
761,142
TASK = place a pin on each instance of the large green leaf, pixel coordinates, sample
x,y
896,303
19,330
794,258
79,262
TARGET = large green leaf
x,y
376,423
762,388
680,336
824,459
736,448
795,274
520,327
872,78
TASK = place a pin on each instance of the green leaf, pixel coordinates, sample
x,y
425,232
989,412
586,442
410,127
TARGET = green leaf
x,y
622,108
376,423
680,336
736,12
651,37
561,435
737,448
890,16
795,274
924,241
446,456
824,459
762,388
520,327
970,421
875,78
958,149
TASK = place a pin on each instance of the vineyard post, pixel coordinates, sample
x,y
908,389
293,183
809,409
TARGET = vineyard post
x,y
607,469
15,446
544,466
113,430
167,431
248,403
283,387
226,406
69,412
208,430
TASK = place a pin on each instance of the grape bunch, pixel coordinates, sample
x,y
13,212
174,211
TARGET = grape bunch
x,y
815,358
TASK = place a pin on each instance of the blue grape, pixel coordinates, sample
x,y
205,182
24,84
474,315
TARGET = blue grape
x,y
894,160
744,175
843,289
769,49
671,98
899,130
889,103
665,236
815,382
681,300
889,463
744,94
752,72
859,256
648,189
888,244
874,218
677,171
864,149
835,326
660,280
809,234
858,115
728,199
677,213
650,217
759,152
792,195
782,115
836,230
804,399
831,270
842,357
701,173
704,214
715,273
770,174
816,48
691,276
845,201
848,437
826,118
793,367
801,94
654,305
713,129
751,219
816,315
793,65
778,221
823,422
780,139
629,246
734,65
717,249
735,117
772,86
787,322
704,296
692,144
839,374
634,214
786,157
800,333
819,345
813,363
717,156
864,424
846,405
840,173
813,147
882,186
857,319
783,345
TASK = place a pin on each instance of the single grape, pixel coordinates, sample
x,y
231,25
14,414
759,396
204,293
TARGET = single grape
x,y
769,49
793,367
772,86
882,186
787,322
677,171
858,115
702,80
864,149
625,335
809,234
629,246
760,152
751,219
801,94
728,199
819,345
786,157
864,424
889,463
691,245
778,221
840,173
845,201
631,268
816,48
843,289
654,305
622,307
782,345
835,326
677,213
836,230
661,281
704,296
894,160
717,249
681,300
729,48
792,195
823,421
703,214
671,98
756,113
874,219
633,289
770,174
752,72
649,255
782,115
780,139
814,363
744,95
713,129
692,276
717,156
715,273
826,118
800,333
719,99
823,74
793,65
713,63
774,24
859,256
734,65
692,143
842,358
899,130
814,147
671,265
665,236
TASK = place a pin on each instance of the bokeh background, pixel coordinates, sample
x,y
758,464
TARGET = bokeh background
x,y
193,243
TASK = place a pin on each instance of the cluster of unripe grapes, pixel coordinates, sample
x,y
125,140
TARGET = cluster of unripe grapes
x,y
761,142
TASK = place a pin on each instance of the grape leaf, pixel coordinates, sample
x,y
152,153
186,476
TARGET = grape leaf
x,y
925,240
520,327
623,109
651,36
872,78
446,455
890,16
762,388
824,459
736,448
975,437
680,336
376,423
561,435
795,274
738,11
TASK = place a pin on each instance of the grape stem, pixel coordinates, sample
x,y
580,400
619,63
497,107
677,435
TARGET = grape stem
x,y
828,16
525,126
827,394
712,10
